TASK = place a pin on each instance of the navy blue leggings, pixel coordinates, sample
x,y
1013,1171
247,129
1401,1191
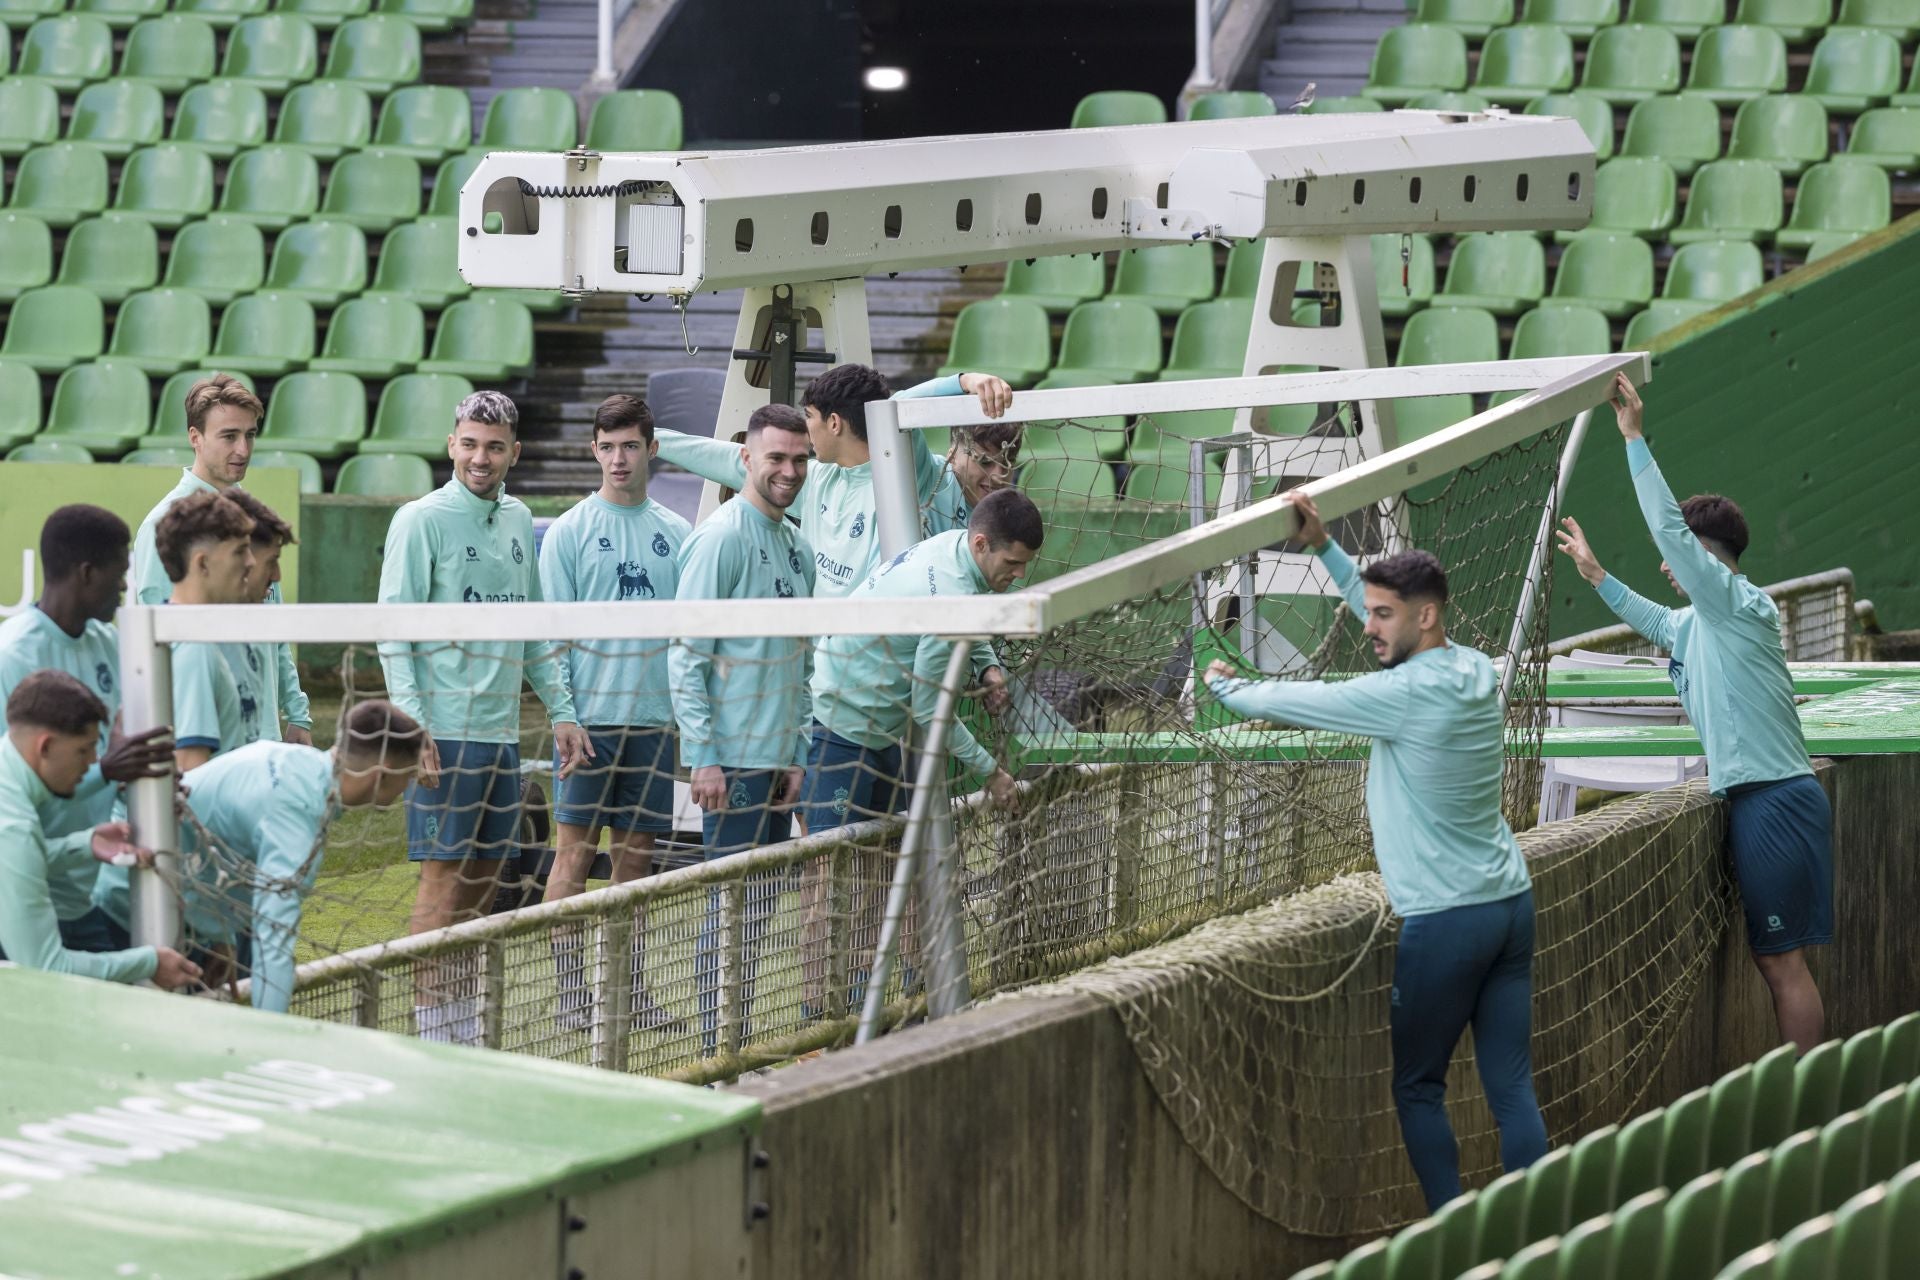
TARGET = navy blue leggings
x,y
1468,966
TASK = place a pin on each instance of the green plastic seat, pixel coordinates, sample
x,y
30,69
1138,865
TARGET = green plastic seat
x,y
373,190
55,328
390,475
272,52
265,333
162,331
1010,337
1900,1052
29,114
170,419
1887,1144
1732,64
1853,69
20,407
221,13
1415,59
177,456
1473,19
101,407
325,14
379,53
414,411
1787,130
217,258
429,122
1416,419
1091,438
1683,130
1886,136
1242,278
1632,195
168,184
1239,104
420,261
120,13
1343,106
112,255
1549,1183
1058,284
1898,18
1590,1191
323,262
1210,340
1859,1070
1731,200
1828,242
1843,1157
1166,480
630,120
374,337
1797,21
1714,271
271,187
1115,107
321,414
46,450
1684,1153
25,11
67,51
1860,1230
1169,278
530,119
1796,1182
325,119
26,254
1518,64
1504,272
1744,1197
1694,1224
1730,1112
304,465
61,183
1612,274
429,15
1661,315
1630,64
1114,339
1578,18
1685,18
1497,1217
1561,331
117,116
221,118
447,179
1594,114
1401,292
486,339
1155,435
1457,101
1910,96
1054,482
170,52
1449,335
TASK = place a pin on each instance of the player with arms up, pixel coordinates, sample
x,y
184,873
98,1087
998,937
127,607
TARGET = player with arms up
x,y
980,460
206,545
1453,871
1731,674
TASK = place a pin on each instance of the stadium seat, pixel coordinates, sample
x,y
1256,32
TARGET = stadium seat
x,y
419,261
379,52
67,51
112,255
1169,278
1416,419
1518,64
1732,64
1888,137
325,119
272,52
1683,130
1828,242
453,171
26,254
1114,339
1210,341
45,450
1010,337
1167,481
170,52
324,263
1661,315
373,338
117,116
390,475
19,403
1731,200
221,13
1593,113
1787,130
304,465
487,339
29,115
1611,273
1242,278
221,118
1685,18
271,187
1841,195
428,15
170,419
61,183
1094,439
1115,107
1415,59
1403,292
373,190
54,328
100,407
265,333
416,412
1853,70
1797,21
530,119
175,456
1237,104
1049,481
1342,106
427,122
1449,335
1578,18
120,13
1058,284
1898,18
1456,101
1561,331
168,185
1714,271
162,331
320,414
1473,19
1155,435
325,14
1630,64
24,11
1504,272
1632,194
630,120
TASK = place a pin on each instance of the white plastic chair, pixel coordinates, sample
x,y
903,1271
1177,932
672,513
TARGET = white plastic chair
x,y
1562,779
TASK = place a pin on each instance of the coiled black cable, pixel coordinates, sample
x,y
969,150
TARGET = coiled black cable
x,y
632,186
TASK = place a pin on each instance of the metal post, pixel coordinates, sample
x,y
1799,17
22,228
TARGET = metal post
x,y
896,499
146,700
603,52
941,875
1542,552
1203,42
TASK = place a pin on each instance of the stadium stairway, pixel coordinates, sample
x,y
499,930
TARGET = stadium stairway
x,y
1327,42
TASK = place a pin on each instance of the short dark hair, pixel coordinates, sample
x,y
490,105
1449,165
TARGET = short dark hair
x,y
622,413
992,437
55,701
208,394
1411,575
1717,519
196,518
377,732
1007,516
846,389
781,417
268,528
80,534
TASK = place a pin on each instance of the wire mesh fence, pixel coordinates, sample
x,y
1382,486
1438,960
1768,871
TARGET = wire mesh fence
x,y
1817,624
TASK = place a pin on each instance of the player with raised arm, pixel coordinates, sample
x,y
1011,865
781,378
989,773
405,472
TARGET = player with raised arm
x,y
468,541
1730,671
53,732
617,544
223,424
980,460
1452,869
206,545
83,557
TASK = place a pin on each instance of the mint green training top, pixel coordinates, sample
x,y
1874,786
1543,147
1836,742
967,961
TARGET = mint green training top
x,y
216,702
148,583
1433,778
29,862
864,686
600,550
1729,666
741,701
448,547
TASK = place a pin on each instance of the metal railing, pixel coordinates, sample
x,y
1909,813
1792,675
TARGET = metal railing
x,y
1817,624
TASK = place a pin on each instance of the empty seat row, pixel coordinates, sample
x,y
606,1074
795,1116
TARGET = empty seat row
x,y
1797,21
365,475
427,15
1738,200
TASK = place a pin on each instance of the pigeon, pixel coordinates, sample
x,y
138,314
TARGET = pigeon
x,y
1305,99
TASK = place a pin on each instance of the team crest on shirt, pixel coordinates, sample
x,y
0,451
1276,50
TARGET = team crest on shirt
x,y
660,547
606,544
739,797
782,589
103,676
469,596
473,553
859,524
517,557
793,559
634,583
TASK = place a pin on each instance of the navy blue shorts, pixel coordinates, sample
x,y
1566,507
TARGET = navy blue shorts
x,y
749,821
627,786
474,812
849,783
1780,835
